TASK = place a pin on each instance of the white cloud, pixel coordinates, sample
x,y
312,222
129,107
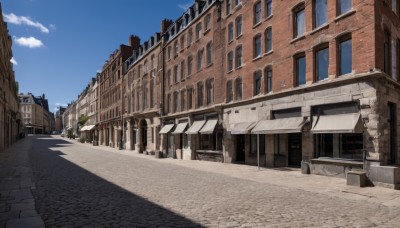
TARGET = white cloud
x,y
58,104
185,6
13,61
30,42
22,20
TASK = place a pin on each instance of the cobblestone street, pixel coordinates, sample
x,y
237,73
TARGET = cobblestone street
x,y
78,185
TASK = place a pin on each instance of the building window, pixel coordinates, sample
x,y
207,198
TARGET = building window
x,y
394,6
199,59
168,103
268,8
183,101
348,146
230,32
257,46
207,22
190,37
176,74
169,55
176,97
345,56
200,94
182,42
144,95
229,91
239,57
268,80
230,61
268,40
169,77
237,2
209,53
257,12
198,31
210,91
257,82
228,7
344,6
321,64
238,26
239,89
387,55
320,12
299,21
182,70
151,93
176,47
190,98
254,143
144,68
300,70
190,63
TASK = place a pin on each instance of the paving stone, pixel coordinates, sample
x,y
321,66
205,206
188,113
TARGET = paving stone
x,y
34,222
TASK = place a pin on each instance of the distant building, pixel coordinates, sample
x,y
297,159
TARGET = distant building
x,y
36,118
58,122
9,106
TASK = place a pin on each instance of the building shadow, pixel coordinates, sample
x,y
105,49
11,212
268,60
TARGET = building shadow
x,y
68,195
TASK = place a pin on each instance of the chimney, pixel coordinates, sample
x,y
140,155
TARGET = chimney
x,y
165,25
134,41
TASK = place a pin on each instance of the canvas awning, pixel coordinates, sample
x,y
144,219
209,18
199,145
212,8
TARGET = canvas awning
x,y
209,127
280,126
241,128
343,123
167,128
180,128
195,128
90,127
83,128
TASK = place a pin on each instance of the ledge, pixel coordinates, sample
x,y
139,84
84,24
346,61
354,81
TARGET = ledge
x,y
348,13
209,151
338,162
298,38
326,25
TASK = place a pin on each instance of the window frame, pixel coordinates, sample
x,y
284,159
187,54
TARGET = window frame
x,y
317,50
296,68
296,11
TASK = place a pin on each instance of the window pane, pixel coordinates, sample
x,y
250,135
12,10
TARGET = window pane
x,y
301,70
257,83
257,46
300,23
239,89
239,26
321,12
257,13
344,6
268,35
269,81
322,64
268,7
230,32
239,57
230,61
345,49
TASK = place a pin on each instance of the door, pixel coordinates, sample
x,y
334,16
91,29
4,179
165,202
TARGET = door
x,y
240,153
294,146
171,145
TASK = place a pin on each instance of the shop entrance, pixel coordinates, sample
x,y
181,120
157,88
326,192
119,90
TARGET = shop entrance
x,y
294,141
240,152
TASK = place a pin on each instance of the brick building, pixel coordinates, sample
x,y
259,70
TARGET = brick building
x,y
10,117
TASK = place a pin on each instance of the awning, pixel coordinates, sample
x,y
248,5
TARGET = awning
x,y
195,128
209,127
280,126
241,128
90,127
180,128
343,123
167,128
83,128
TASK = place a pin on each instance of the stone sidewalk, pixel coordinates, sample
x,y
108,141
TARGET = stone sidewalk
x,y
17,205
286,177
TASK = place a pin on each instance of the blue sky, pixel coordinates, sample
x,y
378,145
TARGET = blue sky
x,y
58,45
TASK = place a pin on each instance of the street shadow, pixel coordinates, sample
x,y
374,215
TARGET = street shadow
x,y
68,195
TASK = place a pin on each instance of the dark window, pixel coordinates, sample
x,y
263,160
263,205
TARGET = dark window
x,y
257,82
190,37
239,89
198,31
345,57
320,12
257,46
229,91
344,6
210,91
176,97
228,7
182,69
299,22
253,144
268,8
391,119
286,113
207,22
190,63
257,12
322,64
199,59
176,47
347,146
300,70
183,101
209,53
182,42
268,75
239,57
239,26
268,40
168,108
190,98
152,93
230,32
230,61
387,52
169,77
200,94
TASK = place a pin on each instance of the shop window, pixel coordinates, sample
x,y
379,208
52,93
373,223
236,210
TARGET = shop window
x,y
253,144
321,64
346,146
320,13
211,141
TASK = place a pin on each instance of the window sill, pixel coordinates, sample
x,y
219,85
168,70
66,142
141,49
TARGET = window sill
x,y
319,28
229,71
257,58
258,24
237,7
205,32
239,67
209,65
182,49
269,17
228,15
240,35
344,15
231,41
297,38
269,53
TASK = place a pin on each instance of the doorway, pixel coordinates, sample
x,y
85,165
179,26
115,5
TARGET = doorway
x,y
171,145
144,134
240,151
294,141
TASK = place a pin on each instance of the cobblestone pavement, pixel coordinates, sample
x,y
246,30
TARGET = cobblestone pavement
x,y
78,185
